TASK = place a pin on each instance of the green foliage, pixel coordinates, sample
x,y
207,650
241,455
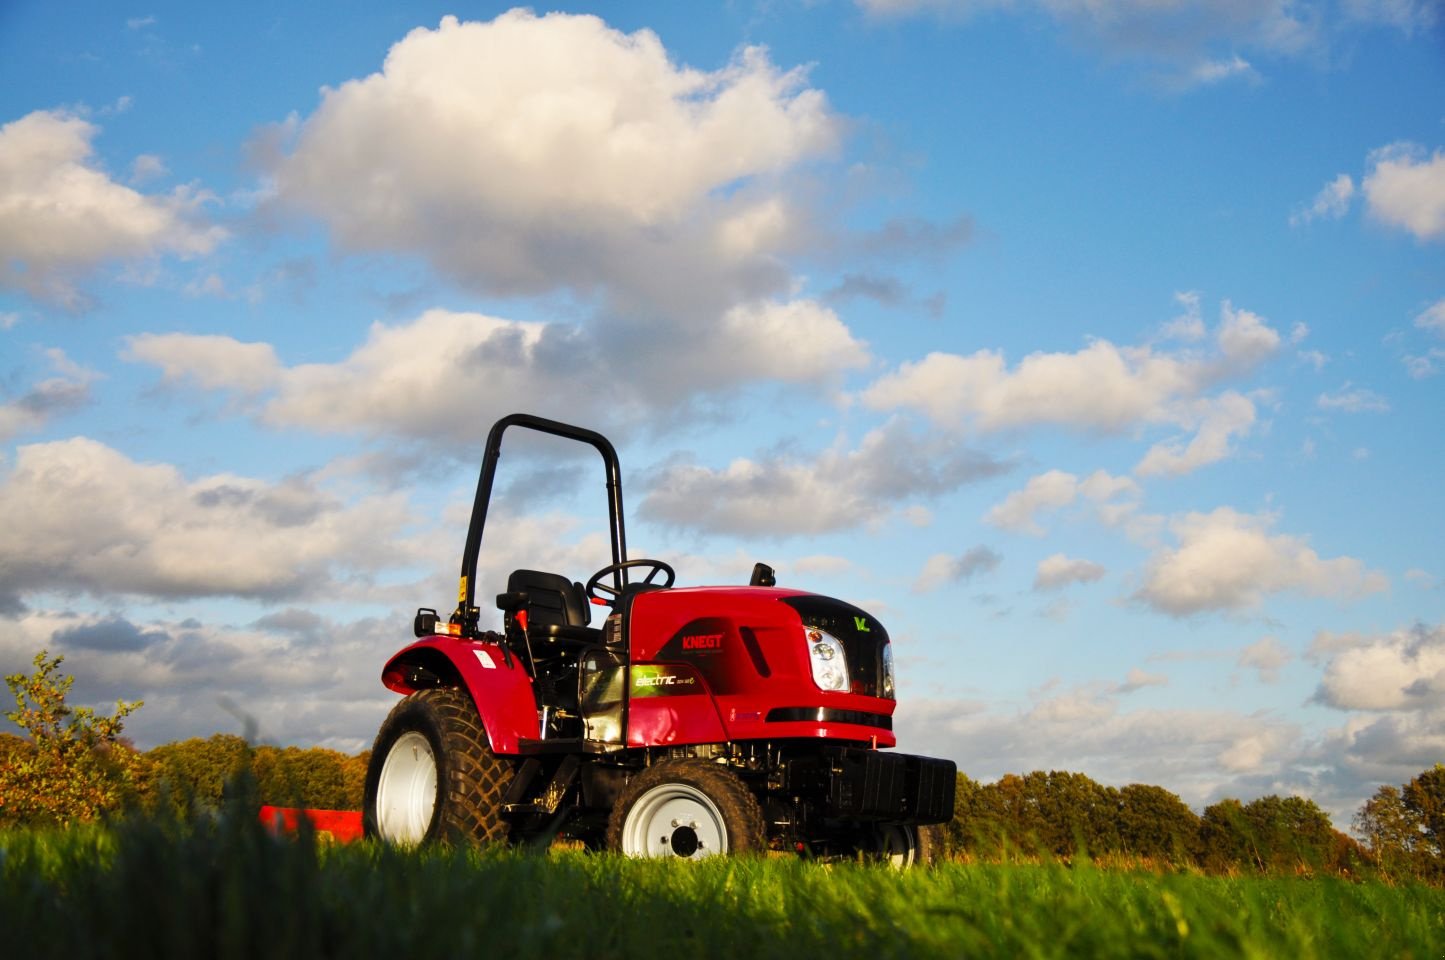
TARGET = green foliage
x,y
73,767
1157,825
195,773
1405,827
231,890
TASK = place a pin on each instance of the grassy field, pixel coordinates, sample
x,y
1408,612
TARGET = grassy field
x,y
146,889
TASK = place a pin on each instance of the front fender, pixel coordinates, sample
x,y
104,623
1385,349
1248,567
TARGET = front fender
x,y
497,683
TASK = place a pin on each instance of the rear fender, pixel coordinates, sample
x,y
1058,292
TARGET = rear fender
x,y
497,683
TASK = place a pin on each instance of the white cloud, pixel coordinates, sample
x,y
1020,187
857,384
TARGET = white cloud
x,y
784,495
530,153
1331,203
1180,35
1102,387
1406,189
1137,679
1209,72
1394,687
1407,15
1199,754
67,391
1266,656
1216,421
1056,489
81,517
1432,318
1404,670
945,568
1057,571
1189,325
1228,561
210,361
447,374
258,679
1353,399
61,215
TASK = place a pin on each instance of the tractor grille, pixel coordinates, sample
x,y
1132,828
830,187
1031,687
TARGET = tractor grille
x,y
829,715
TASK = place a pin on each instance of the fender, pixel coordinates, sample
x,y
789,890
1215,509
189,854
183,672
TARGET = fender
x,y
497,683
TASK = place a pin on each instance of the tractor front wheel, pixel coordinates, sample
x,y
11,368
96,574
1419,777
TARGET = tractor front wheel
x,y
686,808
433,775
902,845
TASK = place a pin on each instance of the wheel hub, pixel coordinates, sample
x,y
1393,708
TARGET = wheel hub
x,y
406,791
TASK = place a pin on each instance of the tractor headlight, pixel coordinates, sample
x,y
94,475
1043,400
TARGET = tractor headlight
x,y
888,671
830,667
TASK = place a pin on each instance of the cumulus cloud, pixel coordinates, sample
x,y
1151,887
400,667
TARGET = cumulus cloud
x,y
1432,318
1331,203
1405,188
1102,387
61,215
1265,656
1226,561
80,517
1057,571
1200,754
66,392
1400,671
1056,489
446,374
1216,421
944,568
1393,686
260,678
785,495
528,154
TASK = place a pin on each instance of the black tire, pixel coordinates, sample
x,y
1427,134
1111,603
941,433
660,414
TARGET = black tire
x,y
433,776
686,808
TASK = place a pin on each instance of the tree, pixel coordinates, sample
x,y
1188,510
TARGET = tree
x,y
194,774
1157,824
73,766
1424,799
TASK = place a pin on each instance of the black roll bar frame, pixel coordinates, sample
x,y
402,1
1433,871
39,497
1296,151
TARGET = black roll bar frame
x,y
467,613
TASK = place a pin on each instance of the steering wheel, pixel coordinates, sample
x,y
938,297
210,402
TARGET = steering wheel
x,y
608,594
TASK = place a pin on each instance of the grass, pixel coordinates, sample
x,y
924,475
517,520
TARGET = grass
x,y
226,889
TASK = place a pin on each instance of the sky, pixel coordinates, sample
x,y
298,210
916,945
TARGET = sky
x,y
1097,347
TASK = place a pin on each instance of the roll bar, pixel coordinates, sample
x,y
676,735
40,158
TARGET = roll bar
x,y
467,614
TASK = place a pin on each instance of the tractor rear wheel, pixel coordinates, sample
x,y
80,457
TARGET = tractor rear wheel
x,y
433,776
686,808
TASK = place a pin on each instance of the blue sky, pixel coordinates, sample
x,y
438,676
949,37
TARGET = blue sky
x,y
1096,347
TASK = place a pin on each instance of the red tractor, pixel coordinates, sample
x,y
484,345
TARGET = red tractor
x,y
693,721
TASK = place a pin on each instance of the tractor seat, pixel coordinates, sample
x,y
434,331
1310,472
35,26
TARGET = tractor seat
x,y
556,608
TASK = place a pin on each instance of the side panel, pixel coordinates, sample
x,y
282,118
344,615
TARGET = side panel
x,y
670,704
502,691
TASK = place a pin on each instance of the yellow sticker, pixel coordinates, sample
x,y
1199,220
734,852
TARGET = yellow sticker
x,y
462,592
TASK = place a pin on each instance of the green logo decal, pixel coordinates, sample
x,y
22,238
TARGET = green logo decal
x,y
861,624
658,680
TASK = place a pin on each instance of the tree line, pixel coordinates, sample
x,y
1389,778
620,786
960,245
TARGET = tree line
x,y
74,766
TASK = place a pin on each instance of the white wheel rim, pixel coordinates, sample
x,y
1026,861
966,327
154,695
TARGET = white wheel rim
x,y
674,820
898,846
406,792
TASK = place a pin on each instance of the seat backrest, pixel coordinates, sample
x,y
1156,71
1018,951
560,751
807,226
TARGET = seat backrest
x,y
552,599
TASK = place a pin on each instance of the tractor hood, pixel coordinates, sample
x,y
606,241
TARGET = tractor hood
x,y
779,663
